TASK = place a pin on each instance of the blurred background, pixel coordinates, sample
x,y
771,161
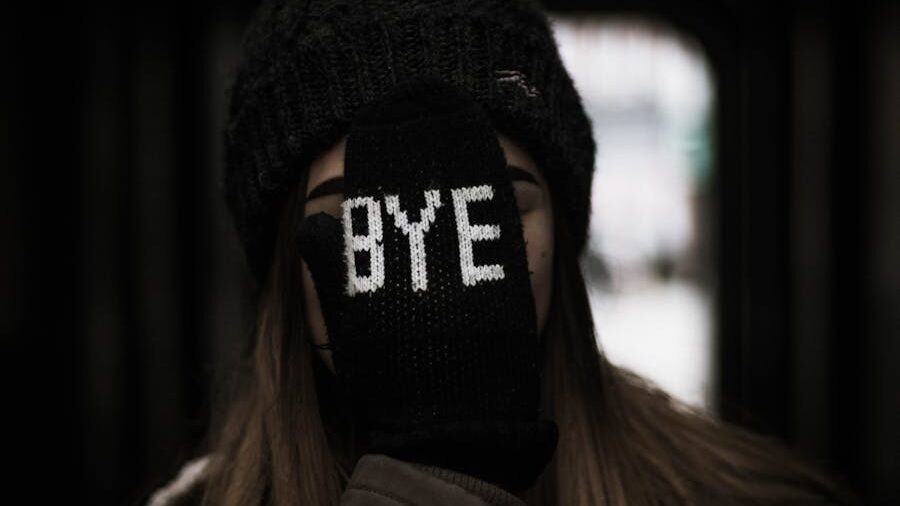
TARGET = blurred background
x,y
744,250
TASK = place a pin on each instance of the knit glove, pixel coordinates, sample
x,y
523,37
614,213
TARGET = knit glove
x,y
425,290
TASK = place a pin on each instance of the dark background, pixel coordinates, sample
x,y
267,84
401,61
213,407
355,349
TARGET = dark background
x,y
123,291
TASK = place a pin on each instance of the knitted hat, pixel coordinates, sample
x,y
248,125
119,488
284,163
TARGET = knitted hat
x,y
309,65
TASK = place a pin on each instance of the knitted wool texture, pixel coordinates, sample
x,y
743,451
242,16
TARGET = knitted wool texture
x,y
425,289
309,65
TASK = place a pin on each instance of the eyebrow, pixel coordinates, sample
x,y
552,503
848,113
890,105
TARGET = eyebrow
x,y
328,187
336,184
520,174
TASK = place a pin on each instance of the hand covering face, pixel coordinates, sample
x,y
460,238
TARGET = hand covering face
x,y
425,290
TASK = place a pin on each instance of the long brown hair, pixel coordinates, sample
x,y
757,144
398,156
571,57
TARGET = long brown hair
x,y
280,437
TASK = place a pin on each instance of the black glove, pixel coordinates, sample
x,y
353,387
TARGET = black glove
x,y
425,290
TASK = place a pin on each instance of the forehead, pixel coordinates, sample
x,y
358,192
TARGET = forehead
x,y
330,164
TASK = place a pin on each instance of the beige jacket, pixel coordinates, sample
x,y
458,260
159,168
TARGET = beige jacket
x,y
377,480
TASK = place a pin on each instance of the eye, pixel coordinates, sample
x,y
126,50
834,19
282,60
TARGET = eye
x,y
325,198
330,204
528,192
528,196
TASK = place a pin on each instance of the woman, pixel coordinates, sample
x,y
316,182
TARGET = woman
x,y
411,182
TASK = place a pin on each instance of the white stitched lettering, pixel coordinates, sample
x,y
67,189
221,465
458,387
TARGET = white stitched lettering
x,y
416,233
468,234
370,242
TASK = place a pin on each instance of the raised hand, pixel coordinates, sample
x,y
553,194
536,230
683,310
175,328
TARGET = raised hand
x,y
425,290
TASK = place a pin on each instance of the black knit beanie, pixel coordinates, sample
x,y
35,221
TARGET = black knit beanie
x,y
309,65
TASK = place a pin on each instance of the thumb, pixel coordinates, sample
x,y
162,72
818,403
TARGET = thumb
x,y
320,241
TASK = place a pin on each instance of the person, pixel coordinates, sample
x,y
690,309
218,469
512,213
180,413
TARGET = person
x,y
411,183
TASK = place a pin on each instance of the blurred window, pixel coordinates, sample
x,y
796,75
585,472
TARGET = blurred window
x,y
648,90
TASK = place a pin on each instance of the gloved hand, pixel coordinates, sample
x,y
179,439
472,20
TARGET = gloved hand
x,y
425,290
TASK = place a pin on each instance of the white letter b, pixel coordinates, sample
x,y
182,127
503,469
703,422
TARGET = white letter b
x,y
370,242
